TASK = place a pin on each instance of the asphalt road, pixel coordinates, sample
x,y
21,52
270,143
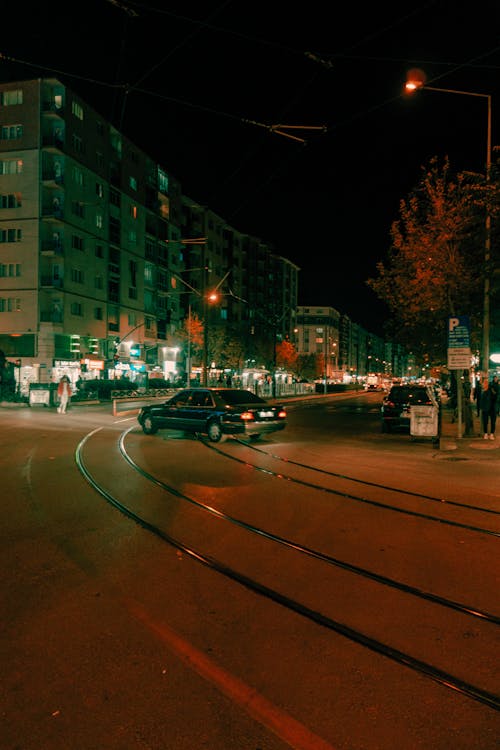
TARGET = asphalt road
x,y
114,638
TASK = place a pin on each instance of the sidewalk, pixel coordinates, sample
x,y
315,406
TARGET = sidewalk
x,y
472,446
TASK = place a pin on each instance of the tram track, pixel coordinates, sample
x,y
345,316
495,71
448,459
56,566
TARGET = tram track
x,y
293,603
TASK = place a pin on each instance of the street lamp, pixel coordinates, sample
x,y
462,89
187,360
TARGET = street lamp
x,y
210,297
415,81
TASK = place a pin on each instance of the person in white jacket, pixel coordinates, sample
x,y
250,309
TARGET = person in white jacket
x,y
64,394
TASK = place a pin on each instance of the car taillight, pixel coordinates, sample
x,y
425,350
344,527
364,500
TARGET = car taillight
x,y
247,416
282,414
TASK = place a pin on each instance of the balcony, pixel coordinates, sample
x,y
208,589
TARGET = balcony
x,y
53,142
52,248
49,281
52,177
49,107
51,316
53,209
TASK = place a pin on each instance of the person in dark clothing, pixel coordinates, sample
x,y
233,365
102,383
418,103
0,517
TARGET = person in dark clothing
x,y
495,387
478,389
488,410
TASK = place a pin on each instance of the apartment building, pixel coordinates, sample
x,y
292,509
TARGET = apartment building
x,y
98,247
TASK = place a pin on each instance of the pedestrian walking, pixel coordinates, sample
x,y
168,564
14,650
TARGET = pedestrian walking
x,y
478,389
488,410
64,394
495,389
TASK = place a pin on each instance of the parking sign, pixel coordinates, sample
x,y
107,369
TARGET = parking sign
x,y
459,352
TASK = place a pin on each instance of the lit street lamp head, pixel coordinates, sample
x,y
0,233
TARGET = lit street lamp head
x,y
415,79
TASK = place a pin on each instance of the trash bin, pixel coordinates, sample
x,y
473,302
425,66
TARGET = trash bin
x,y
42,393
424,420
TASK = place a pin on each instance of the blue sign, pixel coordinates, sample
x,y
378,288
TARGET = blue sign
x,y
459,332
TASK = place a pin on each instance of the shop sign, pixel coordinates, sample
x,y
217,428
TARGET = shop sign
x,y
93,364
66,363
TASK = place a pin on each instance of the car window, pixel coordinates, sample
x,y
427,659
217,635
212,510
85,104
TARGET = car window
x,y
181,399
234,397
407,394
200,398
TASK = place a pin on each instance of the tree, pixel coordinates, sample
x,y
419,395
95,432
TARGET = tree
x,y
435,265
191,333
226,347
286,356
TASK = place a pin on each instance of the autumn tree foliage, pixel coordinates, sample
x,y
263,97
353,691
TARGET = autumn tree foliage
x,y
191,332
286,356
435,265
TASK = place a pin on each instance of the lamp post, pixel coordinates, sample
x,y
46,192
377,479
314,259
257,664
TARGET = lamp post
x,y
413,83
325,356
188,356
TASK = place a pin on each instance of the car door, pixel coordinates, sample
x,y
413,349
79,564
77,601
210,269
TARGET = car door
x,y
200,408
176,411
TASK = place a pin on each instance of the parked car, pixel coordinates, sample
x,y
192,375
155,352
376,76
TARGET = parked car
x,y
215,412
395,409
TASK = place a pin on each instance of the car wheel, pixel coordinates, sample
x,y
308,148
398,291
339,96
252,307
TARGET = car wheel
x,y
148,425
254,438
214,431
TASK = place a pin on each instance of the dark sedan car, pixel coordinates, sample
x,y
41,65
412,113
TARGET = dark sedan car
x,y
215,412
395,410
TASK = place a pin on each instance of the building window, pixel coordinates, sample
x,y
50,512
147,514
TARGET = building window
x,y
133,183
114,197
11,132
11,166
99,190
149,301
100,159
77,144
10,235
114,230
77,110
133,211
132,237
99,220
77,275
10,304
77,242
78,209
76,308
99,251
162,181
113,291
133,272
98,314
11,97
13,200
132,292
10,269
99,282
78,176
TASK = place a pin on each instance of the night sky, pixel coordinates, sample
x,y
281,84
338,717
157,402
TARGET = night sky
x,y
198,85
